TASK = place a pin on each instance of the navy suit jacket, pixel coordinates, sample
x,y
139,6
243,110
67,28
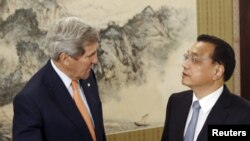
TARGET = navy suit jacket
x,y
45,111
225,111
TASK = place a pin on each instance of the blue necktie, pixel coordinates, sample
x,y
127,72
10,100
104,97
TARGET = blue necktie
x,y
189,136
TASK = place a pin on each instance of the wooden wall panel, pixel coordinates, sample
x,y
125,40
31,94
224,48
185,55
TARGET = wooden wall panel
x,y
215,17
150,134
245,47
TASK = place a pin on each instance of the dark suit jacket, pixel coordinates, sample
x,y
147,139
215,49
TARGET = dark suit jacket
x,y
45,111
225,111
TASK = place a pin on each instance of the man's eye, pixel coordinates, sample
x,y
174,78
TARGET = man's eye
x,y
194,59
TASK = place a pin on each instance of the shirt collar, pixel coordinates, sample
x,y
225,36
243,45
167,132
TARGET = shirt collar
x,y
66,80
208,101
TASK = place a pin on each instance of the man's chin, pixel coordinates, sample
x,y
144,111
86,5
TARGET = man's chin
x,y
185,83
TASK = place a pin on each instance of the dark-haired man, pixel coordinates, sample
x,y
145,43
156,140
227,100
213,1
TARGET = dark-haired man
x,y
207,65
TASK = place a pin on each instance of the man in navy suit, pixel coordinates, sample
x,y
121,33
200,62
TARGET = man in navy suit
x,y
208,64
45,110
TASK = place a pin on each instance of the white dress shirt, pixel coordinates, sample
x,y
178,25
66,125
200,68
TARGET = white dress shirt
x,y
206,104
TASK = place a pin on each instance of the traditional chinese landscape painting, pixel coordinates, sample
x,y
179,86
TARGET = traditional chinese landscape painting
x,y
140,53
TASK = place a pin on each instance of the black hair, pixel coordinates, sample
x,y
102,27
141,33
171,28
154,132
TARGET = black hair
x,y
223,53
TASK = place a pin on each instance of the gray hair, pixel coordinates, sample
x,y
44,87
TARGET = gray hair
x,y
69,35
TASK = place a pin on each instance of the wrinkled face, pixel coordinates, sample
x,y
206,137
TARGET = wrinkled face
x,y
79,68
198,68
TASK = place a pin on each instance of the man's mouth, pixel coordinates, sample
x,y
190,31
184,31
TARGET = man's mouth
x,y
184,74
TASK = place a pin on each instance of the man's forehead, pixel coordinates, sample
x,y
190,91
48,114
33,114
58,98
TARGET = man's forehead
x,y
202,48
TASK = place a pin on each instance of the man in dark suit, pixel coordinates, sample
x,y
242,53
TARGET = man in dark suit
x,y
46,108
208,64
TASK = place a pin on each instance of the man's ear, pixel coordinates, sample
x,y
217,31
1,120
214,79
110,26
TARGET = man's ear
x,y
219,72
64,58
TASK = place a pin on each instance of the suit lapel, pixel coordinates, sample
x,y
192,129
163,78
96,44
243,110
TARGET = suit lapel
x,y
187,101
178,114
90,94
86,86
218,113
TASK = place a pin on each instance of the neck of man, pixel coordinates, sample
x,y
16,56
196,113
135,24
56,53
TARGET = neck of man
x,y
205,90
62,68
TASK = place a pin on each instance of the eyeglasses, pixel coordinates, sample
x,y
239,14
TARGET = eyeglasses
x,y
194,58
